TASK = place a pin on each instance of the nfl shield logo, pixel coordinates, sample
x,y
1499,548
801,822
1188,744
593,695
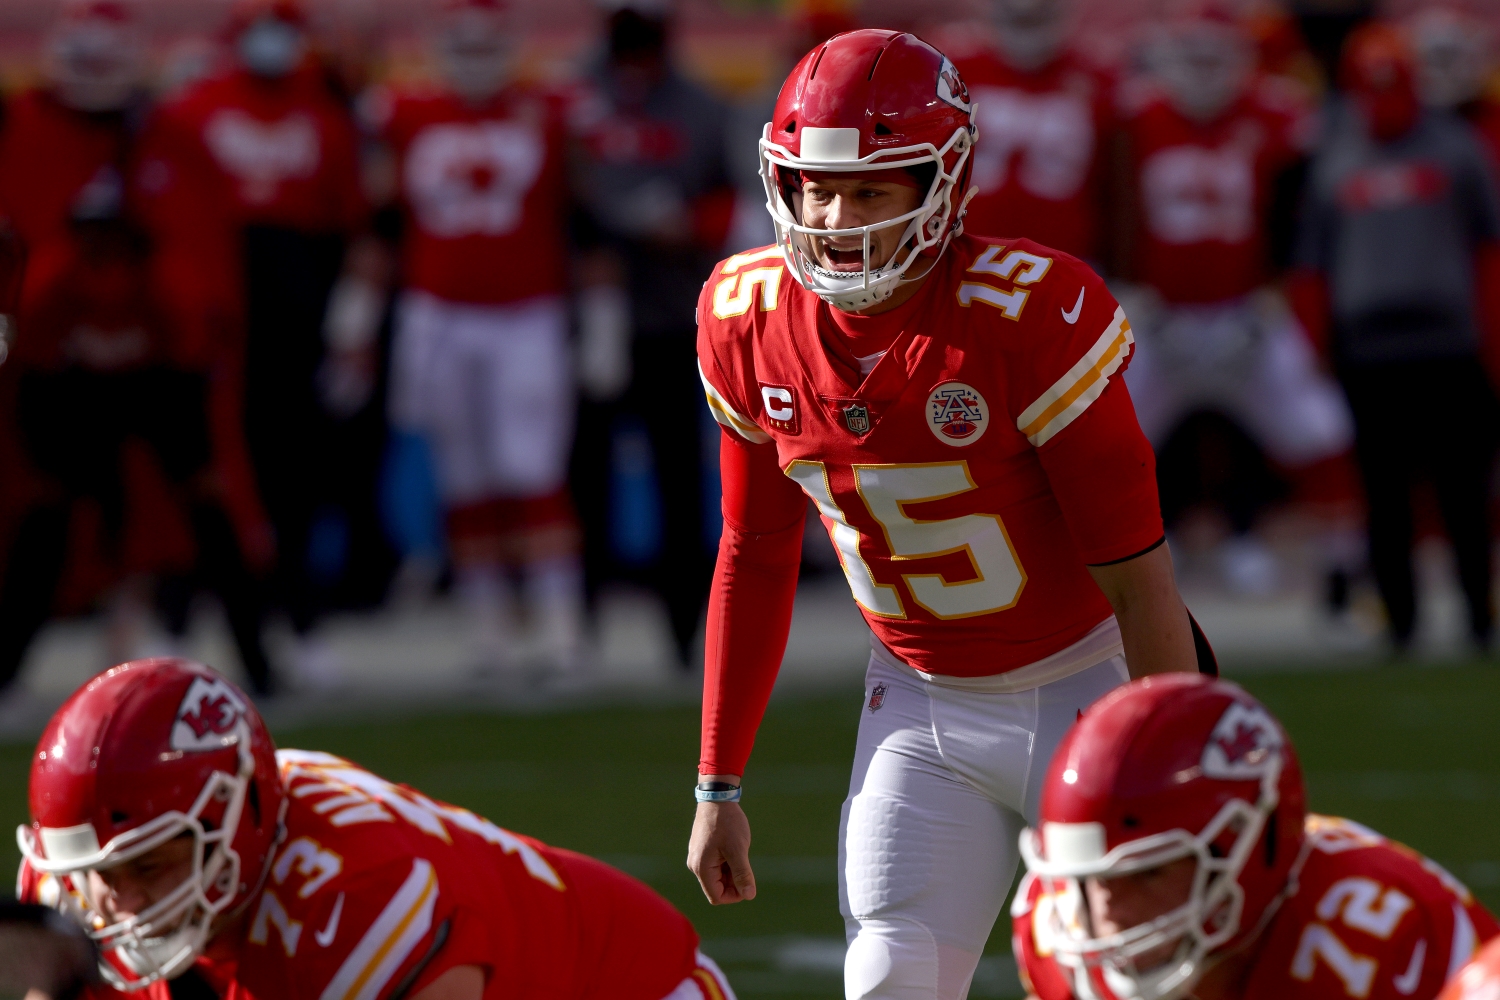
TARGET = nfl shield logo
x,y
857,418
877,697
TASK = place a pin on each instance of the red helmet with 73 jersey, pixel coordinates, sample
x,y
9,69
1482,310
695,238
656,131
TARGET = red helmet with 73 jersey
x,y
167,824
1175,857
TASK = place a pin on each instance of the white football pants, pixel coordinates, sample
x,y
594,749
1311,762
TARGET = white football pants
x,y
1247,361
492,389
947,772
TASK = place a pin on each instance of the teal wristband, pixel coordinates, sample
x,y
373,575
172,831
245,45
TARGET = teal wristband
x,y
717,791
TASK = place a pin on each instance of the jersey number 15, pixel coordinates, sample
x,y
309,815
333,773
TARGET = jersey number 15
x,y
886,491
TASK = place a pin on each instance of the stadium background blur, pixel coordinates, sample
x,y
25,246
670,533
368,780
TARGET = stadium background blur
x,y
597,758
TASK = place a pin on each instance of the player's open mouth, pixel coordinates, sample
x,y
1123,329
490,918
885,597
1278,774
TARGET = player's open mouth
x,y
836,259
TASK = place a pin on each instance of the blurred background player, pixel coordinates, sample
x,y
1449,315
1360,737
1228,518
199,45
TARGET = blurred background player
x,y
1045,117
204,862
286,151
124,336
1215,155
655,208
481,362
1175,857
1401,205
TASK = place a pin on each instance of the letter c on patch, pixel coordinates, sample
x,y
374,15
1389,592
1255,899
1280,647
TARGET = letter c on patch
x,y
778,403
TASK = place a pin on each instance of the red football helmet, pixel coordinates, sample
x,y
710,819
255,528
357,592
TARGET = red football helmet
x,y
141,754
861,102
1479,980
1168,767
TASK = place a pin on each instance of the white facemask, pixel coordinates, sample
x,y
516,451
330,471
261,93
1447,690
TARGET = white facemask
x,y
271,47
1204,69
475,55
95,65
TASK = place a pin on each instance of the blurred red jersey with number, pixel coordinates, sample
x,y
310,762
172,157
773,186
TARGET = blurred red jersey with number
x,y
484,190
377,890
1038,161
1203,190
989,455
287,149
1370,920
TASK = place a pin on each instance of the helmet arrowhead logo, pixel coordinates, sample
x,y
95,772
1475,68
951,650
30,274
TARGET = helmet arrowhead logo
x,y
209,717
952,89
1243,742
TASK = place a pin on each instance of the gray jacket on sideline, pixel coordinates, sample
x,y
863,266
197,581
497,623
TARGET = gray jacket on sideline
x,y
1394,228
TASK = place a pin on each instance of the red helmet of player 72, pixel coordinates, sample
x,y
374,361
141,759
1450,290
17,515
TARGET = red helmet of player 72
x,y
146,752
861,102
1168,767
1479,980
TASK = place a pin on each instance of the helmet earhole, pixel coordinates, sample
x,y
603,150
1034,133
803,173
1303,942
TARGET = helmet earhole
x,y
1270,835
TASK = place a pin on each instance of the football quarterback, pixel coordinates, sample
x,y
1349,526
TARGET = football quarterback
x,y
952,405
1175,857
166,822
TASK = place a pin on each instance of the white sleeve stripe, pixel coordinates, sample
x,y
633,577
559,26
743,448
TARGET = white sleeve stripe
x,y
1465,941
1085,382
398,930
726,415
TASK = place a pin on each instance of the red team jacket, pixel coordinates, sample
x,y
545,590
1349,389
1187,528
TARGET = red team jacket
x,y
376,886
1038,167
287,151
1370,919
1203,189
484,193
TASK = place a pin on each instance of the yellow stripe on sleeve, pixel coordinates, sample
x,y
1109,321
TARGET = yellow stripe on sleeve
x,y
1085,382
726,415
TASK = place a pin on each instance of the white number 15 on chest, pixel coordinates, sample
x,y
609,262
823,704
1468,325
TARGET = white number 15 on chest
x,y
887,490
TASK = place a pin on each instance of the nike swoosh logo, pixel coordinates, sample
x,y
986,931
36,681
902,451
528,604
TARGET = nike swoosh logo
x,y
1071,316
324,937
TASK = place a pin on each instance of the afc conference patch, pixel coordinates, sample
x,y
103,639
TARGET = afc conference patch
x,y
957,414
877,697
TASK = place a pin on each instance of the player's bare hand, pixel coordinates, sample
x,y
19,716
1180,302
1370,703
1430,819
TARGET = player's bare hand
x,y
719,852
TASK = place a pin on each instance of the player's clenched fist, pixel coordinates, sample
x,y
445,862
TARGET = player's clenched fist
x,y
719,852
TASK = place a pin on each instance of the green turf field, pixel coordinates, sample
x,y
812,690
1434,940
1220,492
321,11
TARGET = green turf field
x,y
1413,751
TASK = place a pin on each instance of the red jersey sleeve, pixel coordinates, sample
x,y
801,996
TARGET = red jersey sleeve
x,y
755,576
1068,392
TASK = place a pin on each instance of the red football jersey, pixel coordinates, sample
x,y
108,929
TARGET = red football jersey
x,y
377,890
1037,164
484,191
1370,919
1203,189
287,149
960,481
